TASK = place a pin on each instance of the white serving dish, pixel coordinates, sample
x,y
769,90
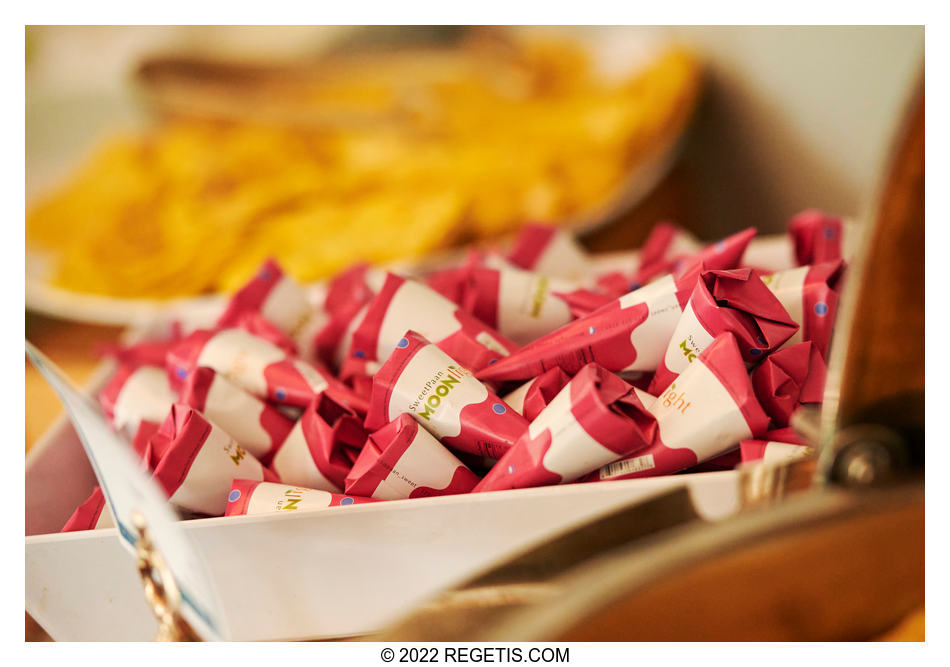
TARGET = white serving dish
x,y
337,572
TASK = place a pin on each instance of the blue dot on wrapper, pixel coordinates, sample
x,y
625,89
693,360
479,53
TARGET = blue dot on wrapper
x,y
591,330
403,342
181,372
264,274
761,341
511,470
280,394
829,232
635,286
821,308
359,354
234,495
499,409
720,246
346,501
493,361
754,351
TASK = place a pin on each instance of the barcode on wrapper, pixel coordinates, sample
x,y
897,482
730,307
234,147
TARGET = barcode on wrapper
x,y
627,466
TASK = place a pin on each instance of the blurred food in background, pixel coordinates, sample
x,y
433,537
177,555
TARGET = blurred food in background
x,y
360,156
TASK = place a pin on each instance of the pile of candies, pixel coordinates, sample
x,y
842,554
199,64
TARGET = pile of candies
x,y
541,365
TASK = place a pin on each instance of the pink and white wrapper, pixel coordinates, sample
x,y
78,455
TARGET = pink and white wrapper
x,y
775,446
735,301
404,304
248,496
594,420
810,295
403,460
198,461
723,254
628,334
665,244
281,301
521,305
788,379
708,409
139,389
533,396
348,295
771,253
314,454
551,251
444,397
92,514
817,236
258,366
135,394
258,426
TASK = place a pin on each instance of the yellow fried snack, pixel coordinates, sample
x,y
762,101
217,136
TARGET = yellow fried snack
x,y
451,149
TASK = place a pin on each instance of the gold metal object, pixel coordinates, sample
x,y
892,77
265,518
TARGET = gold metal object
x,y
161,591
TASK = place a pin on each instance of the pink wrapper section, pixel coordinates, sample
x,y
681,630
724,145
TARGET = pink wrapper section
x,y
789,378
708,409
90,515
135,393
404,304
314,453
595,419
630,333
735,301
258,366
444,397
549,250
402,460
521,305
197,461
249,496
533,396
278,299
258,426
810,295
816,235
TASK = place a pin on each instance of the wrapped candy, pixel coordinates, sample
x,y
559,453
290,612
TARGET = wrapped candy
x,y
595,419
444,397
789,378
403,460
736,301
314,453
810,295
258,426
248,496
665,244
778,445
520,305
134,394
817,236
279,300
723,254
708,409
90,515
549,250
404,304
347,299
139,389
257,366
533,396
629,333
197,461
771,253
